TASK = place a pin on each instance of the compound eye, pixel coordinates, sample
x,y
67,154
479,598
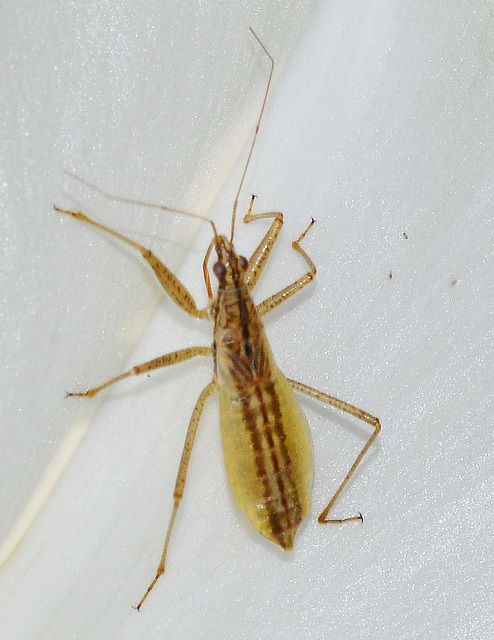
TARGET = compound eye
x,y
244,263
219,270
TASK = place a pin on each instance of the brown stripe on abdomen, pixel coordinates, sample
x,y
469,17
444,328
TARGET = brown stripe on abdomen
x,y
264,423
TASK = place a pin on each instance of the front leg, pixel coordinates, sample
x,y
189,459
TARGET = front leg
x,y
170,283
261,254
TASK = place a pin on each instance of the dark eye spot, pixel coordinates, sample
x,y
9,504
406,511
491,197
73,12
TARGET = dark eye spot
x,y
244,263
219,270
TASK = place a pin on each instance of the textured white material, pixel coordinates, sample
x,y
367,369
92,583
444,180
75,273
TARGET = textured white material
x,y
380,127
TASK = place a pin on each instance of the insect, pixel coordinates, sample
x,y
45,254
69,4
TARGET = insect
x,y
266,439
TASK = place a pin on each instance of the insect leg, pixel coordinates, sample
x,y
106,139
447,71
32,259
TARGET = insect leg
x,y
163,361
181,477
170,283
261,254
276,299
354,411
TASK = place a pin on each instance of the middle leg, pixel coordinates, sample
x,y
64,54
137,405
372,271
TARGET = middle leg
x,y
163,361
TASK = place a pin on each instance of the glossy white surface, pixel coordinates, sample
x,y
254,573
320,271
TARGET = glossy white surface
x,y
379,125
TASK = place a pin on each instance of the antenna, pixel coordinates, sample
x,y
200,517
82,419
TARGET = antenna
x,y
141,203
242,180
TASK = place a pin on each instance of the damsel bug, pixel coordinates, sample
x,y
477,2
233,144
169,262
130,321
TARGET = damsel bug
x,y
266,438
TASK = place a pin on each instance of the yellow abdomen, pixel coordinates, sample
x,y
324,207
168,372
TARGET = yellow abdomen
x,y
268,454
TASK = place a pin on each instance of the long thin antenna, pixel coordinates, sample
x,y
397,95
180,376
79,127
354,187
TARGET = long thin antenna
x,y
140,203
235,204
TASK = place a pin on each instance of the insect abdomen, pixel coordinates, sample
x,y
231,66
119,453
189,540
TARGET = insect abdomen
x,y
268,455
